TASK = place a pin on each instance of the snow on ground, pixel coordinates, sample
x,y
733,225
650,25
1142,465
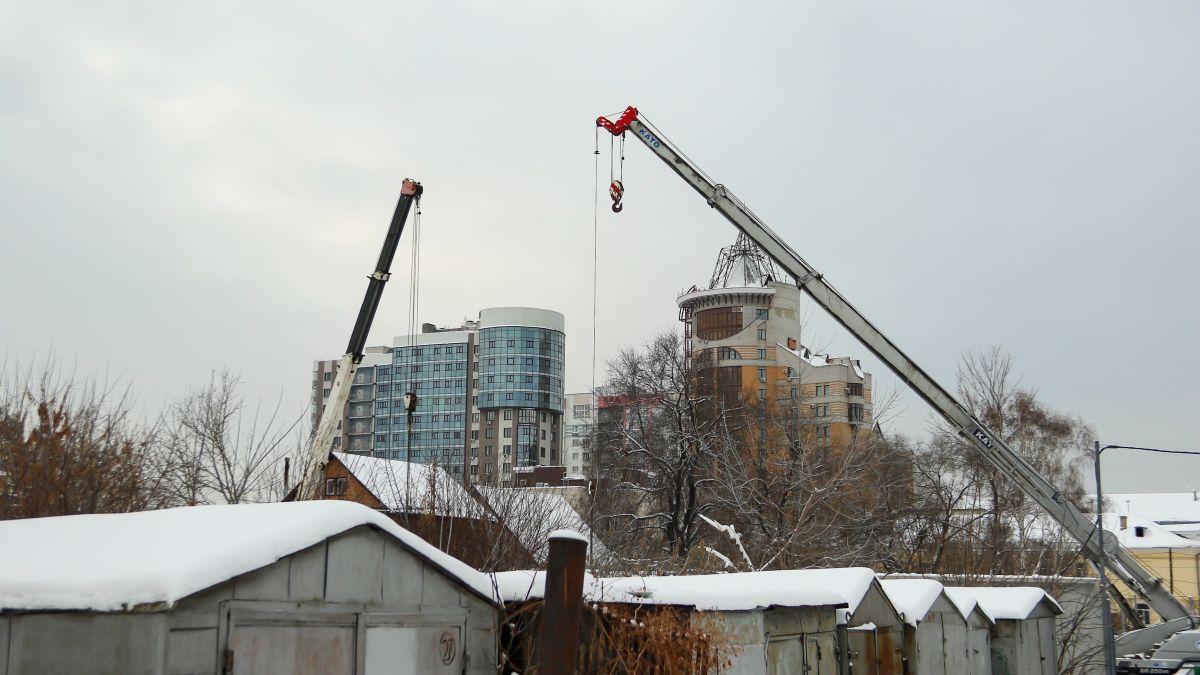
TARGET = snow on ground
x,y
111,562
912,597
1010,602
412,487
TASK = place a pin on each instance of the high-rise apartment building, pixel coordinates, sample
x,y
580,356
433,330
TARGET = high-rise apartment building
x,y
743,333
490,395
579,416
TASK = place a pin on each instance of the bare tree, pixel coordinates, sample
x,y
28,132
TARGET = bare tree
x,y
70,446
215,450
657,442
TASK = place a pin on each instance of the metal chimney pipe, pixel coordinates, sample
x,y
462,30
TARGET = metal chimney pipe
x,y
557,649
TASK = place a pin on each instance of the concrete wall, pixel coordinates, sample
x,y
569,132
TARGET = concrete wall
x,y
333,603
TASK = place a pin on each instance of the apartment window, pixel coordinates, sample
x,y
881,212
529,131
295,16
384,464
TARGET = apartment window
x,y
582,411
491,416
508,396
475,383
543,453
491,344
510,361
475,452
543,434
854,389
529,361
487,450
458,349
507,467
543,417
328,376
762,395
762,354
762,333
760,314
508,432
475,435
508,451
855,412
487,468
508,378
821,390
508,413
491,362
475,417
490,432
762,374
474,469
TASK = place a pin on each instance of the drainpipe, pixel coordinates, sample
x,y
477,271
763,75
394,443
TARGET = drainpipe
x,y
557,649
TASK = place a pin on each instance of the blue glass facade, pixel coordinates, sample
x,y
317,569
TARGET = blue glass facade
x,y
521,367
438,375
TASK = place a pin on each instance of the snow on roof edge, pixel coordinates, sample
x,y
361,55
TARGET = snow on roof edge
x,y
70,562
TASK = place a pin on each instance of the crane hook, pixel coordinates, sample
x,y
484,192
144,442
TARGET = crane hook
x,y
616,190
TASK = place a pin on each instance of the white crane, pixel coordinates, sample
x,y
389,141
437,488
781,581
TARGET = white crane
x,y
1175,614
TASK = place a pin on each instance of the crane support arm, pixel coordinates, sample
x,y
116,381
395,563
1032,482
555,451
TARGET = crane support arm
x,y
339,393
1011,464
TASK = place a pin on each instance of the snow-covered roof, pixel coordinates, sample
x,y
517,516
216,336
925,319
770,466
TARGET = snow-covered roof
x,y
1161,507
1008,602
1153,535
913,597
705,592
412,487
532,515
112,562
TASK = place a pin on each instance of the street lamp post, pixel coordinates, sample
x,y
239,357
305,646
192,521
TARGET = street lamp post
x,y
1110,648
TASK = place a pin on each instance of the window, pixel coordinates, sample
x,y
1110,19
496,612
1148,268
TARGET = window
x,y
821,390
507,467
762,333
474,469
437,350
458,349
854,389
508,432
762,394
543,452
491,344
512,343
490,432
328,376
508,378
508,413
475,434
762,374
487,468
487,450
491,362
335,487
491,416
543,434
762,354
760,314
508,451
475,452
510,361
508,396
855,412
475,417
582,411
1143,612
543,417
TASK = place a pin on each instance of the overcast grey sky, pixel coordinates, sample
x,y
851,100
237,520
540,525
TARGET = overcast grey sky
x,y
194,186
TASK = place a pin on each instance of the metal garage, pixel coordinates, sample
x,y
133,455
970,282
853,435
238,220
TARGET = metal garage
x,y
329,588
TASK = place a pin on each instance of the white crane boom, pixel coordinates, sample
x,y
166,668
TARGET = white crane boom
x,y
339,393
1174,613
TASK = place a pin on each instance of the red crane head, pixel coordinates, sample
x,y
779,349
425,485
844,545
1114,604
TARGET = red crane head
x,y
618,126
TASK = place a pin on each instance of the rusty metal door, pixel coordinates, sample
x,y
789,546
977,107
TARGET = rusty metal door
x,y
889,650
